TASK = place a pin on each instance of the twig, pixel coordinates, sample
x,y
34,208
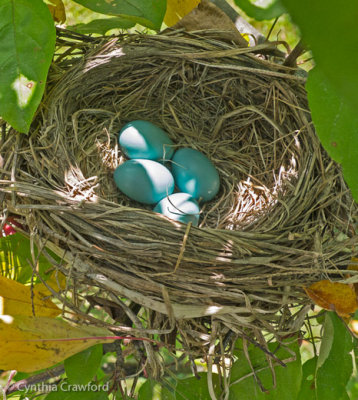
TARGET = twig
x,y
247,356
271,29
210,360
32,380
5,389
264,349
312,338
291,60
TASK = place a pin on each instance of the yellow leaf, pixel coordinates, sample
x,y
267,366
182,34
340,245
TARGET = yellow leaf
x,y
334,296
57,10
177,9
27,343
18,299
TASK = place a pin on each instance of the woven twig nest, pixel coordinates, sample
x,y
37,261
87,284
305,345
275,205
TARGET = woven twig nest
x,y
283,217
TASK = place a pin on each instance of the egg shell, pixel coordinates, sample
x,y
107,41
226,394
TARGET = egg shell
x,y
180,207
145,181
195,174
143,140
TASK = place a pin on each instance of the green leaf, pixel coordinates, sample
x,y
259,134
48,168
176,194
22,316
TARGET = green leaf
x,y
194,388
66,392
345,396
146,390
307,391
336,124
329,28
273,9
352,387
183,389
102,25
288,379
246,388
81,367
27,43
335,364
15,255
149,13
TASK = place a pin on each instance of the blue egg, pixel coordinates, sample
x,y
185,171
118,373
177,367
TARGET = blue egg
x,y
195,174
144,140
181,207
145,181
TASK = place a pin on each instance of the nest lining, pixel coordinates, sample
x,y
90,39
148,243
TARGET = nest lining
x,y
283,217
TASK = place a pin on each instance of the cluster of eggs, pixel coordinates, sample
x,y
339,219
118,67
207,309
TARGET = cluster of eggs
x,y
154,171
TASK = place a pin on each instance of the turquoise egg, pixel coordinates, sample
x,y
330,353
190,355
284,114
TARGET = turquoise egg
x,y
144,140
145,181
195,174
181,207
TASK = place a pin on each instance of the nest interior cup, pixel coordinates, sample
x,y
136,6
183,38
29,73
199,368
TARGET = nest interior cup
x,y
283,216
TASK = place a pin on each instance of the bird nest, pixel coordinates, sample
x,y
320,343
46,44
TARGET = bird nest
x,y
283,217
